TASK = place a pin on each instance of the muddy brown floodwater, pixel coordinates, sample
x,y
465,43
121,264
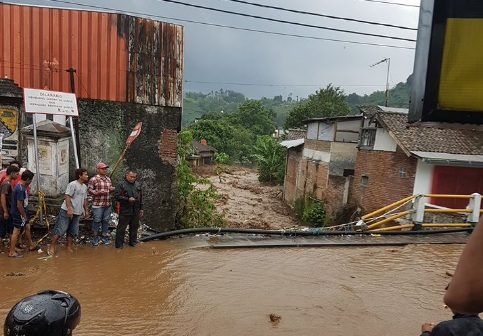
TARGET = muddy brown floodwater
x,y
247,203
185,287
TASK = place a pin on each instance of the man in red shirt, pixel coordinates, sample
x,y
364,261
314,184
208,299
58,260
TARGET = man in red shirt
x,y
6,201
3,173
100,187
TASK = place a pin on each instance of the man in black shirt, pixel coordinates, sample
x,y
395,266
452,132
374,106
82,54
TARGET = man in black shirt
x,y
129,196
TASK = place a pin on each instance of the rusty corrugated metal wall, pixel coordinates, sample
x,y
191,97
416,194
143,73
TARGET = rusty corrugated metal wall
x,y
116,57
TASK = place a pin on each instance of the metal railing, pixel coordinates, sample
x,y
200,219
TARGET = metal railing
x,y
418,208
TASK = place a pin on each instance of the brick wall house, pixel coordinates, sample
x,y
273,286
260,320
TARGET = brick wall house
x,y
319,166
292,170
397,159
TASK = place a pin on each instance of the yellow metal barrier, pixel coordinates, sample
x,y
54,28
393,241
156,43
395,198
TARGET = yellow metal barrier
x,y
396,227
388,219
446,225
447,196
410,226
447,210
474,201
388,207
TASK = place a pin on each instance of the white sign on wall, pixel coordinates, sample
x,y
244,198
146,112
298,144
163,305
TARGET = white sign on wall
x,y
50,102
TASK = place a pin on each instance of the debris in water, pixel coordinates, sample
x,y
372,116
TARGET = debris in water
x,y
275,317
15,274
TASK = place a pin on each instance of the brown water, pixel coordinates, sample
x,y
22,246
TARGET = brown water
x,y
183,287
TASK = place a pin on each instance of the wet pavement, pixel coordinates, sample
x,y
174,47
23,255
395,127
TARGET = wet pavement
x,y
183,286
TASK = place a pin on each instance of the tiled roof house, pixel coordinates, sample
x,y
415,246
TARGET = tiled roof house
x,y
397,159
201,153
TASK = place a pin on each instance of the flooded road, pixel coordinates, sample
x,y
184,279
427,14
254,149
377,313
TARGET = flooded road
x,y
184,287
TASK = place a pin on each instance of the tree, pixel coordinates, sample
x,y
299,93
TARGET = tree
x,y
328,102
194,206
217,132
270,156
253,116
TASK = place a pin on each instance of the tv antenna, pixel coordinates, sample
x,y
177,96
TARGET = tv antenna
x,y
388,61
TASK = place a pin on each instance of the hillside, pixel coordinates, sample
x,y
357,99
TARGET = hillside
x,y
197,104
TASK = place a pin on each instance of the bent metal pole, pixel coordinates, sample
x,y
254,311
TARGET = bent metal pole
x,y
134,134
74,142
37,164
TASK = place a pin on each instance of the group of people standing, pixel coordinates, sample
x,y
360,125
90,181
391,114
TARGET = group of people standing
x,y
129,205
127,195
13,207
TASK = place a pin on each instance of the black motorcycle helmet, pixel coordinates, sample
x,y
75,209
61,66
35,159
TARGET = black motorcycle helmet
x,y
47,313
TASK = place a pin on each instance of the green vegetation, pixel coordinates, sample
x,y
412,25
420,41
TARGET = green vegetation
x,y
241,129
235,133
397,96
194,204
328,102
270,157
196,104
311,212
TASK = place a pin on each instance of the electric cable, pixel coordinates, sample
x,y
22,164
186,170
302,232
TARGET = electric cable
x,y
321,15
227,26
289,22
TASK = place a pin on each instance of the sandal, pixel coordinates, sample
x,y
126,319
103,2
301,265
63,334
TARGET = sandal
x,y
16,255
35,248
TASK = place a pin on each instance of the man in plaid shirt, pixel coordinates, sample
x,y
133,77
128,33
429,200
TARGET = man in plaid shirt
x,y
99,188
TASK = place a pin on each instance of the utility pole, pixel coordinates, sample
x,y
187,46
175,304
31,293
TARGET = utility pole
x,y
75,135
388,61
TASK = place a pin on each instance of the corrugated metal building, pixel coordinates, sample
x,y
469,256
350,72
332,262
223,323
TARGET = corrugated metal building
x,y
116,57
127,69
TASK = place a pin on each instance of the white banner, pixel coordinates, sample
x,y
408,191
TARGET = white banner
x,y
50,102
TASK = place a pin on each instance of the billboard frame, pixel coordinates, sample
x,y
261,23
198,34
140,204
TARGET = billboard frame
x,y
429,57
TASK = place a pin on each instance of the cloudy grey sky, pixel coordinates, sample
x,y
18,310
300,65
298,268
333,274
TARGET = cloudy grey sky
x,y
261,64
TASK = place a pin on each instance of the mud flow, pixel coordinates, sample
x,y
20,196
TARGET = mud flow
x,y
184,287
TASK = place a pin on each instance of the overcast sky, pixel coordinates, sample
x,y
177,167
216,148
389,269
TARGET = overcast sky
x,y
260,64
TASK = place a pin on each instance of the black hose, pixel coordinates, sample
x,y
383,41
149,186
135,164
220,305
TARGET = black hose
x,y
295,233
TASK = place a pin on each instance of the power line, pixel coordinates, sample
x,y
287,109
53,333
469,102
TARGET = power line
x,y
232,27
288,22
321,15
391,3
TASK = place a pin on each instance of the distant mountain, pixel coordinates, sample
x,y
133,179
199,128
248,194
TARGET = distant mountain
x,y
398,96
196,104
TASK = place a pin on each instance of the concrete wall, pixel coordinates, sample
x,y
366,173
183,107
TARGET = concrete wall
x,y
385,184
342,157
335,195
104,127
292,176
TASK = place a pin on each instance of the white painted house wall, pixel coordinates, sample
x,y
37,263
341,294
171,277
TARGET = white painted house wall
x,y
316,155
384,142
424,178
